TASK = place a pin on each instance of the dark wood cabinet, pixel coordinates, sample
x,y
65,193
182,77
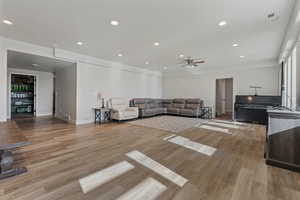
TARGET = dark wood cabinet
x,y
283,140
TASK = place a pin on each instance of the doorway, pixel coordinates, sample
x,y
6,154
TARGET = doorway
x,y
224,98
22,96
34,91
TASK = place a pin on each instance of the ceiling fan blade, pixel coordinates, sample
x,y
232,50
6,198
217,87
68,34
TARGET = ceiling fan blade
x,y
197,58
199,61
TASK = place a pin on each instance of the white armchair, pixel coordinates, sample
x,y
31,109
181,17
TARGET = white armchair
x,y
121,110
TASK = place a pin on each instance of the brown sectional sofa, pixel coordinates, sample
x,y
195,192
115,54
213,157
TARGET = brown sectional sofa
x,y
151,107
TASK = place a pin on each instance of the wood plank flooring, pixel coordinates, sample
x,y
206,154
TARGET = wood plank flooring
x,y
61,154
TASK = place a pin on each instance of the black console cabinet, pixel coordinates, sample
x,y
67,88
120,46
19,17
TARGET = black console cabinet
x,y
249,108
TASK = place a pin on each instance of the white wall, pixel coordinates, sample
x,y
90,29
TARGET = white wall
x,y
204,85
112,82
112,79
3,80
44,91
65,94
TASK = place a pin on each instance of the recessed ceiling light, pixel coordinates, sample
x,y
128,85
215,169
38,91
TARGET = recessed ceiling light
x,y
156,44
235,45
222,23
7,22
114,23
242,56
147,63
80,43
120,55
181,56
35,65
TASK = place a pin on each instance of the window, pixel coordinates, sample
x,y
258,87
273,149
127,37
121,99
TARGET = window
x,y
289,81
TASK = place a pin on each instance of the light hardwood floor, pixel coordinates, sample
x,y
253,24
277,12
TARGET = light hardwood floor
x,y
61,154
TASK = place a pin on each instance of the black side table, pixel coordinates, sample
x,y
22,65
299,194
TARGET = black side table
x,y
205,112
102,115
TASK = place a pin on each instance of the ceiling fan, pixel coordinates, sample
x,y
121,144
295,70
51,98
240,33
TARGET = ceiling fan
x,y
191,62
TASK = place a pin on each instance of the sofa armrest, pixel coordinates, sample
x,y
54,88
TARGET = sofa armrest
x,y
114,111
134,108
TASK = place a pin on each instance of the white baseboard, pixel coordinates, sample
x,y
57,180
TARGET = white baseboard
x,y
43,114
81,122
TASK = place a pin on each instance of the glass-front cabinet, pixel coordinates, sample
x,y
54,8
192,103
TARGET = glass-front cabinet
x,y
22,95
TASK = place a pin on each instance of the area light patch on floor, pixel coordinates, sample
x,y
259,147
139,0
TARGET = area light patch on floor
x,y
169,137
224,125
149,189
213,128
157,167
99,178
229,122
195,146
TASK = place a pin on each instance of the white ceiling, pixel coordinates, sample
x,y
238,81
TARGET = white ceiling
x,y
25,61
188,27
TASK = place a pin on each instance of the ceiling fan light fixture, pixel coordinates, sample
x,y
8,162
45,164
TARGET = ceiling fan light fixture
x,y
5,21
222,23
114,23
79,43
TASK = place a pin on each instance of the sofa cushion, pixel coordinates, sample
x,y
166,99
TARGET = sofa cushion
x,y
189,112
152,105
178,103
166,103
155,110
157,101
141,103
160,110
173,110
193,101
192,106
149,111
